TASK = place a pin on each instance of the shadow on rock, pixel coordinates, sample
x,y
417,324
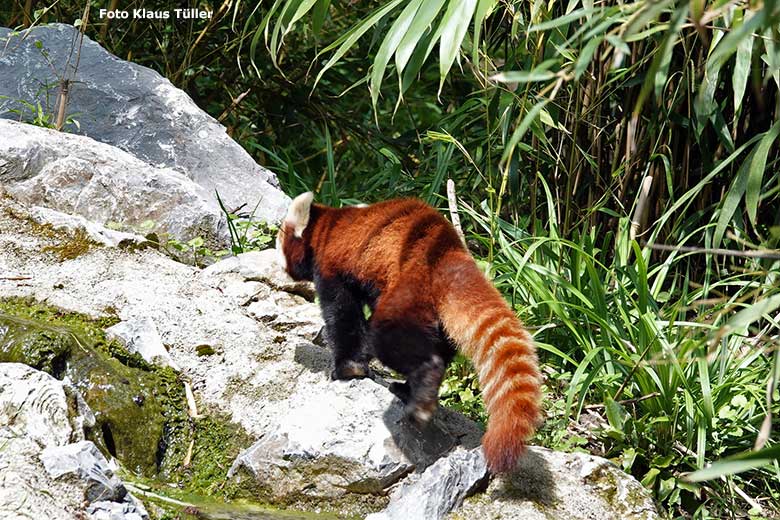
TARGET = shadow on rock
x,y
314,358
531,481
424,446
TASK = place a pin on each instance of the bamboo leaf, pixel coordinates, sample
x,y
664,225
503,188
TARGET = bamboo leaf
x,y
705,100
745,317
522,76
484,8
346,41
741,71
427,12
736,464
586,56
730,203
522,128
757,168
563,20
659,68
454,26
303,8
389,44
319,14
420,54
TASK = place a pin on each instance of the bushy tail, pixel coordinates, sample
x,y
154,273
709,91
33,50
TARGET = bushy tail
x,y
480,322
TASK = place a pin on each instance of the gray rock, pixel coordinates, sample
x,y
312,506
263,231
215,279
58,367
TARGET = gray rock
x,y
33,405
356,425
130,508
77,175
26,490
439,489
84,461
94,231
564,486
139,335
41,475
262,266
135,109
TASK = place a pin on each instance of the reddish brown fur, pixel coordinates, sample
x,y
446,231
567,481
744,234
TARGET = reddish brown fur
x,y
415,260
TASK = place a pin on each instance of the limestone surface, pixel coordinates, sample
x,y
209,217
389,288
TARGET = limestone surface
x,y
134,109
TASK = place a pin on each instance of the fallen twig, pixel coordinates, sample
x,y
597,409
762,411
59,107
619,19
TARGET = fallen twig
x,y
191,405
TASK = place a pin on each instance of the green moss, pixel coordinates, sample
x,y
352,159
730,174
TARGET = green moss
x,y
205,350
72,245
216,442
139,409
69,244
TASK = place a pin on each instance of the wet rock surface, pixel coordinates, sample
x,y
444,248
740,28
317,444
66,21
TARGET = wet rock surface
x,y
83,461
121,406
134,109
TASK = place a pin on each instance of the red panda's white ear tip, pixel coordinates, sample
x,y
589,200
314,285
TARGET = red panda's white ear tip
x,y
298,212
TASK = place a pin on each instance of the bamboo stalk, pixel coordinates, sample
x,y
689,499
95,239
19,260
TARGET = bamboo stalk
x,y
641,207
453,204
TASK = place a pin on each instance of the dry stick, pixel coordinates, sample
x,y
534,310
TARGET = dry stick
x,y
27,10
233,105
452,200
65,81
641,206
772,255
193,408
188,456
142,492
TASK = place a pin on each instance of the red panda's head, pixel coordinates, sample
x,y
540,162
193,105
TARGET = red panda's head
x,y
295,252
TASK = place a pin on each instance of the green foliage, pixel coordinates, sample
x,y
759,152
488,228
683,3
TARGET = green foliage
x,y
246,233
193,251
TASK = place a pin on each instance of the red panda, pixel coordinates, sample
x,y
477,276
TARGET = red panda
x,y
427,298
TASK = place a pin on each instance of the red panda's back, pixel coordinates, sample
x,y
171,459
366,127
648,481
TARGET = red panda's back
x,y
394,242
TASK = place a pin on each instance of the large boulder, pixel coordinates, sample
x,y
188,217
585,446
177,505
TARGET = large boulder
x,y
77,175
564,486
132,108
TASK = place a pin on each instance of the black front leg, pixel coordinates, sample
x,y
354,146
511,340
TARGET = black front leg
x,y
345,327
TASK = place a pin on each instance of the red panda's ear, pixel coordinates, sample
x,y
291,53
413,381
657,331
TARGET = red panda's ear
x,y
298,212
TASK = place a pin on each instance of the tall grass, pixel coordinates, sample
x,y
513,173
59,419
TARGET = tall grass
x,y
646,366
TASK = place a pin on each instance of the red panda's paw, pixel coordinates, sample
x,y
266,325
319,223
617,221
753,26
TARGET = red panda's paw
x,y
401,390
350,370
420,413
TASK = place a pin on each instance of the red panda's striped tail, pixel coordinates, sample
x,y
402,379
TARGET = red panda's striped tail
x,y
478,319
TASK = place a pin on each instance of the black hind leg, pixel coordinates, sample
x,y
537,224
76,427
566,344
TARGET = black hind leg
x,y
345,327
445,349
414,351
424,385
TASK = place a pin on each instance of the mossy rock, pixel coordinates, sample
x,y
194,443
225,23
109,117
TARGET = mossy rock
x,y
139,409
